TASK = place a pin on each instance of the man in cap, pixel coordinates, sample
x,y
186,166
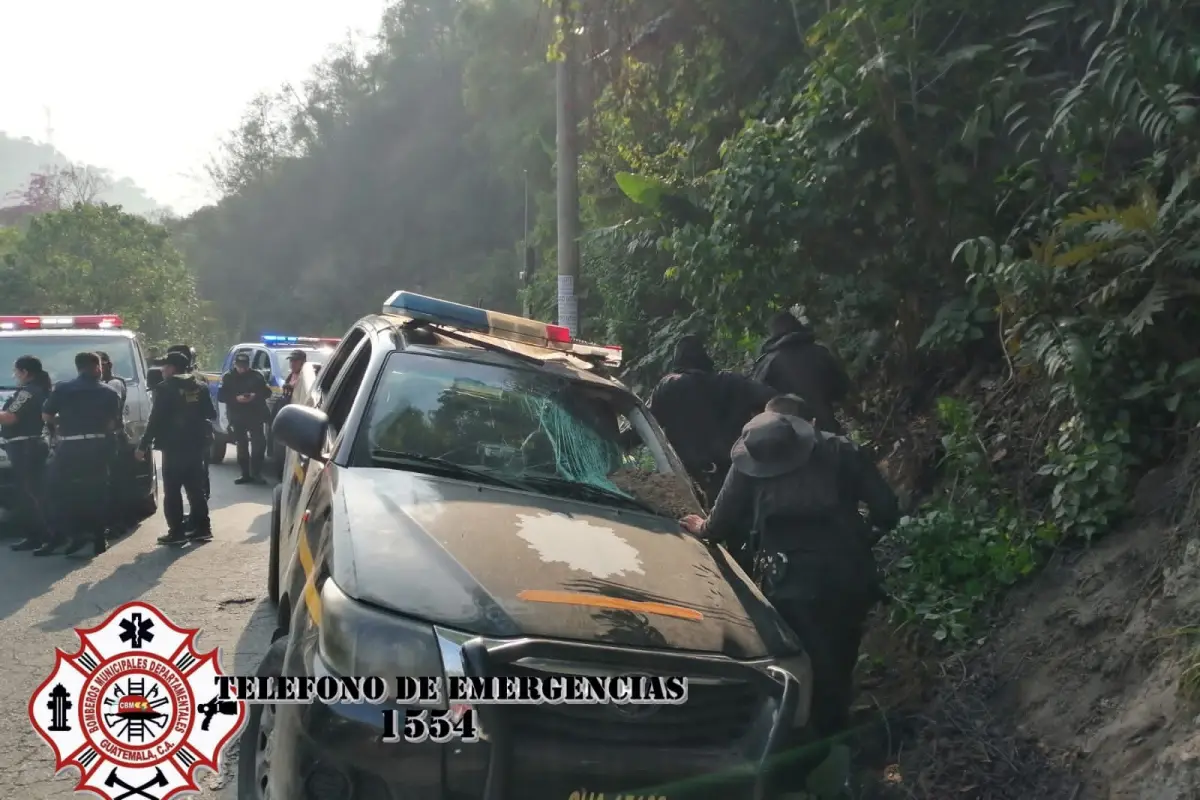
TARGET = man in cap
x,y
802,489
296,361
190,352
179,423
244,393
86,413
702,412
791,361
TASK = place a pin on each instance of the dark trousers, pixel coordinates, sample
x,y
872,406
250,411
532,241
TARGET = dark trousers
x,y
77,488
831,630
251,446
183,472
122,481
207,460
28,459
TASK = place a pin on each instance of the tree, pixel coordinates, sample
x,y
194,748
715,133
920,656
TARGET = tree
x,y
91,259
59,187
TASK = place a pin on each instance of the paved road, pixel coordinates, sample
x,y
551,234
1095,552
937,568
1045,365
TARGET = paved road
x,y
219,587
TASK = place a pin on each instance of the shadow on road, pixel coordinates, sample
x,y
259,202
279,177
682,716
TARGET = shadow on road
x,y
35,576
127,582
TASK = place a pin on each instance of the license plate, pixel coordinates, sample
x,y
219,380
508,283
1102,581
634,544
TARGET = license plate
x,y
584,794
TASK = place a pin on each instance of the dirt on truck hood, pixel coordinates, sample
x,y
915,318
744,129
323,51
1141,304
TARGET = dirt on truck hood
x,y
502,562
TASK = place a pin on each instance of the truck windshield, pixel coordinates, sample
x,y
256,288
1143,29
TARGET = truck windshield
x,y
57,354
523,426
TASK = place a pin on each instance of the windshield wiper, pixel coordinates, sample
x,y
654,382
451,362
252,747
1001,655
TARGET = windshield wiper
x,y
589,491
455,470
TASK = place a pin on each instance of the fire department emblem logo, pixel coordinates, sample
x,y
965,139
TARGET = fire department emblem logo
x,y
136,708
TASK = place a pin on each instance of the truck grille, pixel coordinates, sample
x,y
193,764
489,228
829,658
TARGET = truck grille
x,y
714,715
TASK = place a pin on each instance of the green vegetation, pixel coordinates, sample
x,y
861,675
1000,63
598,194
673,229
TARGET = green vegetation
x,y
993,206
992,211
96,259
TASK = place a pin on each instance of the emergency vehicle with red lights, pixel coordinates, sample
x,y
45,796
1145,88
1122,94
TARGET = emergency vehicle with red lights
x,y
56,339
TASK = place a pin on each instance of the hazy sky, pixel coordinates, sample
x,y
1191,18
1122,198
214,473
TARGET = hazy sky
x,y
146,88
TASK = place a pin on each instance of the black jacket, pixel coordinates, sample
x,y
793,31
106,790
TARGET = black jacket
x,y
794,363
250,382
812,515
702,413
182,415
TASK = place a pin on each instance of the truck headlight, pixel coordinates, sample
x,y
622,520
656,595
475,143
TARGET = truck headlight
x,y
357,640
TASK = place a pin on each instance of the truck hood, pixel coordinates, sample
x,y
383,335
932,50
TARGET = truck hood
x,y
499,562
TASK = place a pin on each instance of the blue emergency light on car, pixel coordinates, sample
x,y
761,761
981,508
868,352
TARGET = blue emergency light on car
x,y
470,318
273,339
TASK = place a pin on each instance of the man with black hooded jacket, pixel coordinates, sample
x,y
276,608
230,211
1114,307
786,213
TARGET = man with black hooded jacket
x,y
791,361
800,490
702,412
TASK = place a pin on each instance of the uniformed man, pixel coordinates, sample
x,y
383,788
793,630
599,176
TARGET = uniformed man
x,y
702,412
791,361
182,412
244,393
802,488
122,477
21,428
193,367
86,412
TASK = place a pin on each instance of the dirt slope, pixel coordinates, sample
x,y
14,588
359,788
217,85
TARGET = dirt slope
x,y
1075,693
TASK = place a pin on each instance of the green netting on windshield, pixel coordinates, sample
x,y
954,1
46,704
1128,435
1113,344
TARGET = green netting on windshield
x,y
581,454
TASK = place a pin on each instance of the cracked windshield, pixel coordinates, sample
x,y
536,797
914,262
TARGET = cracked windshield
x,y
659,400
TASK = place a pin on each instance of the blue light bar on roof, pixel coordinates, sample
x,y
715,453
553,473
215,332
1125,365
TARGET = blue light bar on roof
x,y
470,318
272,339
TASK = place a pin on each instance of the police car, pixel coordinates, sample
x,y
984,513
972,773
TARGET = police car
x,y
56,340
269,357
466,494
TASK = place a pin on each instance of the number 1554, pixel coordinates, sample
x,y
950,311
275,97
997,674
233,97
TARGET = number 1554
x,y
414,726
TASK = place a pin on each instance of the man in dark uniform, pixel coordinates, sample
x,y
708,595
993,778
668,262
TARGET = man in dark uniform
x,y
86,412
802,488
21,428
121,471
793,362
702,412
192,358
244,393
183,409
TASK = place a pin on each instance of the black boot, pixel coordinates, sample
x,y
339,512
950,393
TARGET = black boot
x,y
27,544
242,481
200,534
48,548
175,536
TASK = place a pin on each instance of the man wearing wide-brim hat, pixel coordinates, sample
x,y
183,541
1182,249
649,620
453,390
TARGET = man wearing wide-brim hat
x,y
799,490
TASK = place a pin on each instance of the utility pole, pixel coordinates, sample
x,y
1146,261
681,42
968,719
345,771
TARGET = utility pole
x,y
526,253
568,179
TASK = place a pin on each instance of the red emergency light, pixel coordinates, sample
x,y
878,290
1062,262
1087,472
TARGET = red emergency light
x,y
20,323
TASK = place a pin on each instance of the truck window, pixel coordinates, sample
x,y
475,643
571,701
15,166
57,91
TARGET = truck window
x,y
261,361
342,399
57,354
333,367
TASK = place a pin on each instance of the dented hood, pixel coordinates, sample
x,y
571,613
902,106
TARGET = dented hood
x,y
500,562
